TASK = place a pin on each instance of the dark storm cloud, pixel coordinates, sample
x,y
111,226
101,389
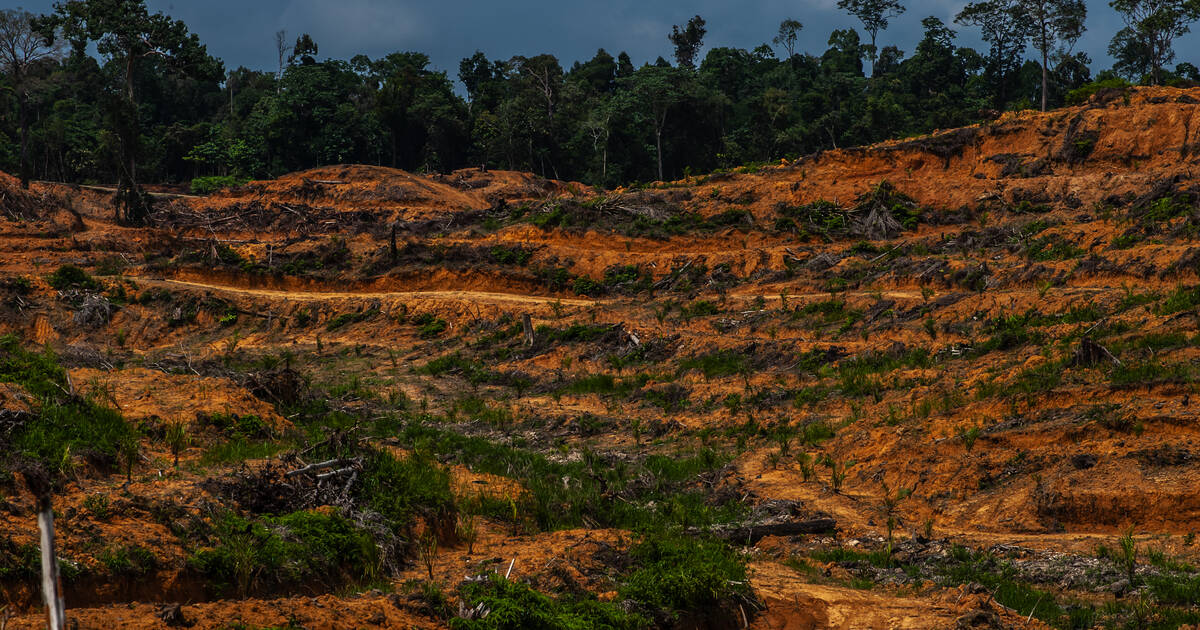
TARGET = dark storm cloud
x,y
242,31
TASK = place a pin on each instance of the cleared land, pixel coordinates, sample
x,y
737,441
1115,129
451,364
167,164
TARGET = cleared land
x,y
974,352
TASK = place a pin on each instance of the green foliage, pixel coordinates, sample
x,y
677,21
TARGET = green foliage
x,y
65,424
400,489
586,286
518,256
575,333
680,573
717,364
128,560
699,308
293,549
735,113
72,277
211,184
516,606
345,319
429,325
1082,93
1052,248
652,492
473,371
19,562
999,578
1183,298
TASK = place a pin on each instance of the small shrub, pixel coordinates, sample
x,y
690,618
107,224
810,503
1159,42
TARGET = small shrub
x,y
128,560
586,286
72,277
429,326
511,255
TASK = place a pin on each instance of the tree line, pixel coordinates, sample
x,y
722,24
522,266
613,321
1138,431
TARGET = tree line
x,y
106,91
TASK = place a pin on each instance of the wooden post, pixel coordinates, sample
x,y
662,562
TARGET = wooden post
x,y
51,584
527,324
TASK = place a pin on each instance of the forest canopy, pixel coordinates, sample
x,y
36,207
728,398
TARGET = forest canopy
x,y
153,106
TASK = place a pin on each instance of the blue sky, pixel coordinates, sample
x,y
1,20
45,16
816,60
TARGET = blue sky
x,y
241,32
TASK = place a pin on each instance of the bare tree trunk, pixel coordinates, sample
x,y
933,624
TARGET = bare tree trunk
x,y
527,324
1044,81
132,148
658,147
51,584
23,117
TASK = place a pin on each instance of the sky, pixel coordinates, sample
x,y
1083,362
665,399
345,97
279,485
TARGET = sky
x,y
241,32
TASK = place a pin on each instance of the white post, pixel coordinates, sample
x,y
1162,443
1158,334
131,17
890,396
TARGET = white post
x,y
51,586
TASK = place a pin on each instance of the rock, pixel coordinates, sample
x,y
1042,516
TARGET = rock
x,y
1119,588
172,615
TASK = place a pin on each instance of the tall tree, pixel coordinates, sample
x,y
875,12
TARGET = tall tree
x,y
789,32
1146,44
688,41
1051,24
874,15
126,33
304,51
21,48
658,90
1006,31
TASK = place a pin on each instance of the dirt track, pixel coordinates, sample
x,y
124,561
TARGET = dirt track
x,y
472,296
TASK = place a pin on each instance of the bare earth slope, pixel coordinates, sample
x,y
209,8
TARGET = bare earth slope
x,y
973,351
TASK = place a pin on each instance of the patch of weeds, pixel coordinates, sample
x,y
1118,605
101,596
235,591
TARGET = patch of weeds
x,y
473,371
575,333
1181,299
607,384
677,573
477,409
1000,578
1052,247
346,319
65,425
652,492
518,256
699,308
128,560
516,606
429,326
1149,372
273,552
716,364
19,562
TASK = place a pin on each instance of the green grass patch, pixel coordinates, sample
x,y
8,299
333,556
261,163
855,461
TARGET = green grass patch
x,y
64,425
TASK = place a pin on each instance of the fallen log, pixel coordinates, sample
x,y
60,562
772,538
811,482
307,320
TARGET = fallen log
x,y
751,534
319,466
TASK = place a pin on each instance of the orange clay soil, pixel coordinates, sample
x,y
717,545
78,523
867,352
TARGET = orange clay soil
x,y
1007,366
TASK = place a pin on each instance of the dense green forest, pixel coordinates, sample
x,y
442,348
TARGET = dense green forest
x,y
110,92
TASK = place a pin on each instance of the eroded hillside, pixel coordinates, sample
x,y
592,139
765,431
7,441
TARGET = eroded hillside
x,y
943,382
